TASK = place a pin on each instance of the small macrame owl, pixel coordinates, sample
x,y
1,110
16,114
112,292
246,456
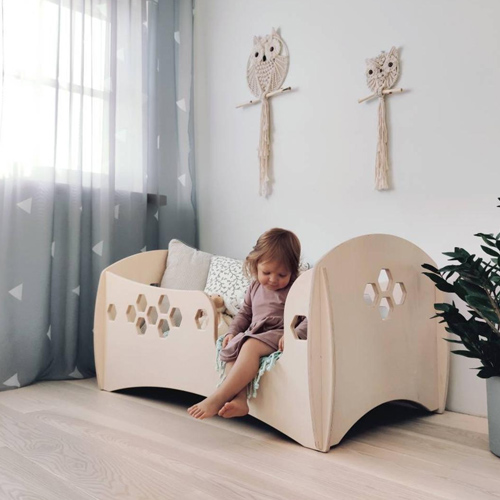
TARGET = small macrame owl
x,y
381,74
266,71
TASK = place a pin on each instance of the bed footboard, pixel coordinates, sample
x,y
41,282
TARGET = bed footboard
x,y
147,336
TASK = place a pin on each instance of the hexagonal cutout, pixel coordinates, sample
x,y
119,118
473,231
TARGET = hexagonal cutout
x,y
399,294
131,314
299,327
163,304
385,307
163,328
112,312
141,303
152,315
201,319
141,326
384,280
175,317
370,294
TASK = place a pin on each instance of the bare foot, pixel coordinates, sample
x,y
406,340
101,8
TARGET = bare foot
x,y
235,408
206,409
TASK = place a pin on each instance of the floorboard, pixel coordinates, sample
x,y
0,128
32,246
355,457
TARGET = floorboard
x,y
68,440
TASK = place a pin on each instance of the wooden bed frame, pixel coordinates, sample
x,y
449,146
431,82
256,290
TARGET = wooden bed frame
x,y
353,359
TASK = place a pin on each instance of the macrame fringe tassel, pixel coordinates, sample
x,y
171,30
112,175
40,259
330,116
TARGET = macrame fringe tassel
x,y
382,162
264,146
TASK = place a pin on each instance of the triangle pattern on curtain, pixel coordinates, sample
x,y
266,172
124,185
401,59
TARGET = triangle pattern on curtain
x,y
12,381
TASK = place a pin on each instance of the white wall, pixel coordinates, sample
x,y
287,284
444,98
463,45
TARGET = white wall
x,y
444,132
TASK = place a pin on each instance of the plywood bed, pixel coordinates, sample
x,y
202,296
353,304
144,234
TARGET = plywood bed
x,y
370,338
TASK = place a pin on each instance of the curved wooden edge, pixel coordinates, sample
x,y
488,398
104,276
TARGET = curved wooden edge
x,y
321,359
144,267
99,330
356,418
340,326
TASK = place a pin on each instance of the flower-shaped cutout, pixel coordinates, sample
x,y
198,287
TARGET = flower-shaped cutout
x,y
385,295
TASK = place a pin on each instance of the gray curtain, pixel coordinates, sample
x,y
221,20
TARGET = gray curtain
x,y
95,132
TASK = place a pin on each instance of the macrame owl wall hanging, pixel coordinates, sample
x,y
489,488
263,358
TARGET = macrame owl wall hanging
x,y
381,74
267,68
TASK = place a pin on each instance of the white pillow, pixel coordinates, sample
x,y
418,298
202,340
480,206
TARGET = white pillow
x,y
226,278
187,268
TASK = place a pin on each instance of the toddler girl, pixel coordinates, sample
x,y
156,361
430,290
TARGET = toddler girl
x,y
257,330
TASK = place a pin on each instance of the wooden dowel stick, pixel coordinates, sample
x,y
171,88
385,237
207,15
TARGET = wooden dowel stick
x,y
385,92
255,101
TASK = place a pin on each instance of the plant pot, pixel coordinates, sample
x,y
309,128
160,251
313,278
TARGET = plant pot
x,y
493,396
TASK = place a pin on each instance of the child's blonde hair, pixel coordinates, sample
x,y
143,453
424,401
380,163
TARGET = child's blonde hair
x,y
275,244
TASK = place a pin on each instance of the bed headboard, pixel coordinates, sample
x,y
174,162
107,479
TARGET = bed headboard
x,y
370,326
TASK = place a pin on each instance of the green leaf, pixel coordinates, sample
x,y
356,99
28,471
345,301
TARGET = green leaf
x,y
489,239
467,354
489,251
441,284
479,302
452,268
486,372
431,268
458,254
443,307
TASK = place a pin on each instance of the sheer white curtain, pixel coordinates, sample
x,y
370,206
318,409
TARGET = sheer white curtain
x,y
84,135
61,59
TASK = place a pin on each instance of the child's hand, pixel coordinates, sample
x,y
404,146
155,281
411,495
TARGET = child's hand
x,y
281,343
226,340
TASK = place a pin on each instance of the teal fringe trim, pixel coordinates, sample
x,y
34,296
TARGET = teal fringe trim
x,y
266,364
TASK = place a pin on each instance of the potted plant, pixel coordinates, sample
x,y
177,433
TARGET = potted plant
x,y
477,282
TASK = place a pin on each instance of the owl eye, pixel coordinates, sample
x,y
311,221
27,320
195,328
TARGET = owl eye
x,y
272,48
390,65
370,72
256,54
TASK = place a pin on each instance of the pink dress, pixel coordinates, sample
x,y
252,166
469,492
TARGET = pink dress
x,y
260,317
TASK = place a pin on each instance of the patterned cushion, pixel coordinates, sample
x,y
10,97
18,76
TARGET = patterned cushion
x,y
187,268
303,267
226,278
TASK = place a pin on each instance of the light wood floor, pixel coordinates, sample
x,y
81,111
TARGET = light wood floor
x,y
68,440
